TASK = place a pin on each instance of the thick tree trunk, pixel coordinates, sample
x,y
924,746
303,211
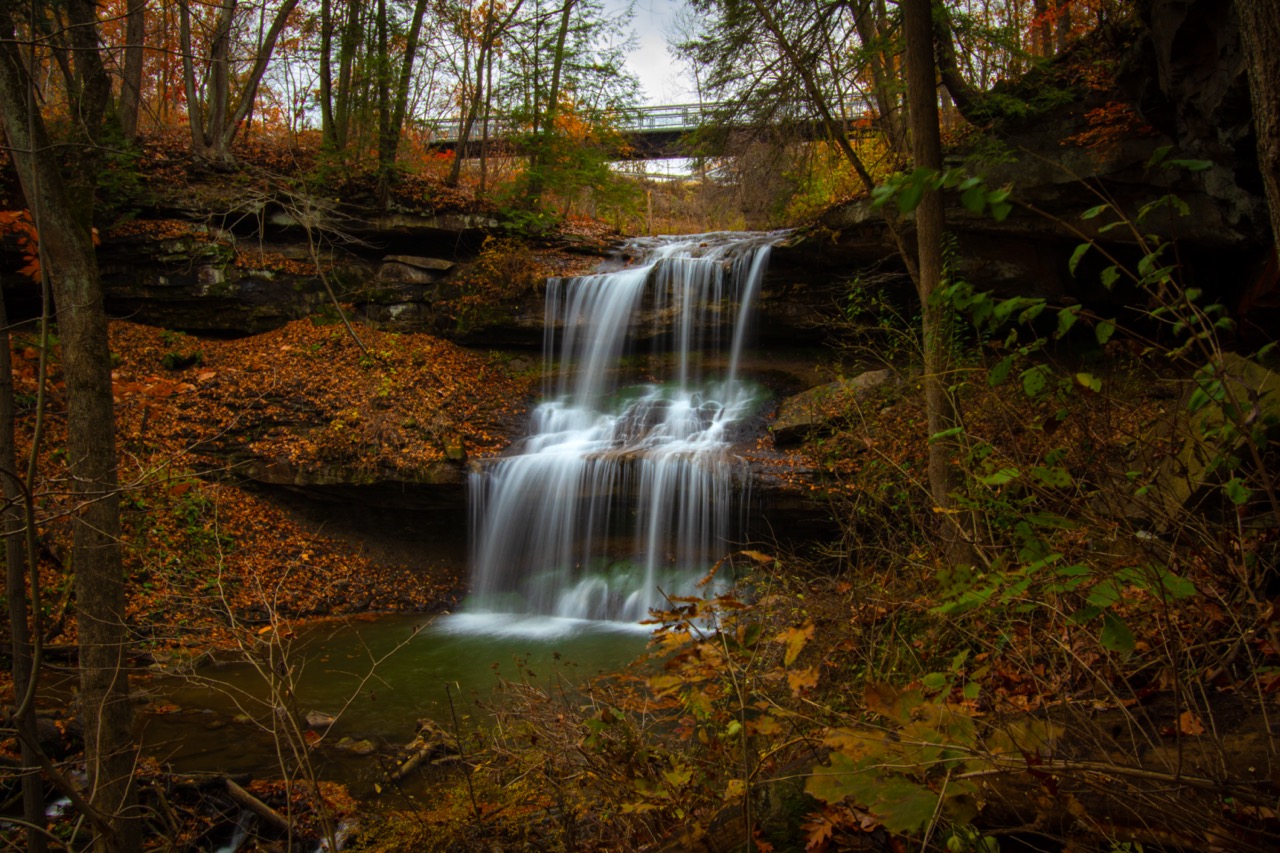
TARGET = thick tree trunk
x,y
926,147
69,262
969,101
1260,26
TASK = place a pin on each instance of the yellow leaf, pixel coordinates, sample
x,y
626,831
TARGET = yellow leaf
x,y
765,725
795,638
802,679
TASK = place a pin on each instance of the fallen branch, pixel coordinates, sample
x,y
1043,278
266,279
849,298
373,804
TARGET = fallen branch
x,y
248,801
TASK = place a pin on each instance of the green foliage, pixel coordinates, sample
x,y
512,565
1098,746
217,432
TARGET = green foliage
x,y
182,355
906,190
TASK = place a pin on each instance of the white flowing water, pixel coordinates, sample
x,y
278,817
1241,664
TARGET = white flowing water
x,y
622,494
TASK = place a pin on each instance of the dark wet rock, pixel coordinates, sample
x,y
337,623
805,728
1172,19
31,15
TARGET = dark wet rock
x,y
363,746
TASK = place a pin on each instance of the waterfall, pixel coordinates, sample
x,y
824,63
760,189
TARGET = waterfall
x,y
624,491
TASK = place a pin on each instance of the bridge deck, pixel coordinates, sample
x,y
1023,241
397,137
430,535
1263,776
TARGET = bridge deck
x,y
651,132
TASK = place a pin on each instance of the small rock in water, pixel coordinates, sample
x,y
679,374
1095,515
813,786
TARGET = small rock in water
x,y
364,746
320,720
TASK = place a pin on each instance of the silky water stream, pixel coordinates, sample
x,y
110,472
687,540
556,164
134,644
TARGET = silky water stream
x,y
625,490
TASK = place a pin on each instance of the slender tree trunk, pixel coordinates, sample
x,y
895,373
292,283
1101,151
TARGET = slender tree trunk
x,y
69,261
471,109
249,91
1260,26
350,43
484,127
871,33
219,86
404,84
542,153
131,84
926,147
195,110
13,524
328,134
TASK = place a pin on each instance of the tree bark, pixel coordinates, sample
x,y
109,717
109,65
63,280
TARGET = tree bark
x,y
328,135
1260,27
926,147
69,261
131,83
216,119
347,47
13,523
969,101
538,162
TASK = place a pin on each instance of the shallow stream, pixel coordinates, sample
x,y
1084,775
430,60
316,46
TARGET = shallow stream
x,y
378,677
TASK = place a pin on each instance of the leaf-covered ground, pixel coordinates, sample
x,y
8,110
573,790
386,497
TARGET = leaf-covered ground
x,y
204,556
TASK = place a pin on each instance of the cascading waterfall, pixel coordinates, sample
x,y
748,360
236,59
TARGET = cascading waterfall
x,y
624,493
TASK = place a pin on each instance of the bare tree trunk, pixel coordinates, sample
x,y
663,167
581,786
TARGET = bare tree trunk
x,y
70,264
393,124
219,85
471,109
968,100
131,84
1260,26
13,523
870,31
347,47
195,112
926,146
538,162
328,134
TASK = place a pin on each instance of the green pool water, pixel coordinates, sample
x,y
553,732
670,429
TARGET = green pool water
x,y
379,677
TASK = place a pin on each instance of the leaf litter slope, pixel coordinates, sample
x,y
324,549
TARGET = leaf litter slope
x,y
202,554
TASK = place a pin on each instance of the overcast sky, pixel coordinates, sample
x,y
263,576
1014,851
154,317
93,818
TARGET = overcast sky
x,y
659,73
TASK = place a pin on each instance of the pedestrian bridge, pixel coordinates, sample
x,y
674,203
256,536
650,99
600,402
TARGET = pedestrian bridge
x,y
648,133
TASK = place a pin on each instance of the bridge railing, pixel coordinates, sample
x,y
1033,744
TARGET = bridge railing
x,y
663,118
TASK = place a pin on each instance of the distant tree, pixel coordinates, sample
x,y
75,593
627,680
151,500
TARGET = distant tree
x,y
131,80
220,96
393,101
564,84
476,71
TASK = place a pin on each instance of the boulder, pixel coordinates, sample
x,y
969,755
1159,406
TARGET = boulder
x,y
363,746
812,412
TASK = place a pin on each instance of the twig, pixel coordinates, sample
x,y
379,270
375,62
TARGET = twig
x,y
457,736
